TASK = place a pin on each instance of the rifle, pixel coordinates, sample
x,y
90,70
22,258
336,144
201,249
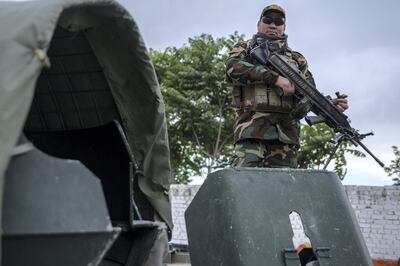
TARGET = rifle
x,y
324,109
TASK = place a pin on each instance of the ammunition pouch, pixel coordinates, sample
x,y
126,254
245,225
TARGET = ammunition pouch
x,y
260,97
237,97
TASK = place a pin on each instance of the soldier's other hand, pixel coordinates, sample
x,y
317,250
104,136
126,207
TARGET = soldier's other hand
x,y
341,103
286,86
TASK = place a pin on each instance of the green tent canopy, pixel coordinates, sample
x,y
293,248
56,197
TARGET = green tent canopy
x,y
67,65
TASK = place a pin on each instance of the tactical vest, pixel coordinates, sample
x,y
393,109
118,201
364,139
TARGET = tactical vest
x,y
260,97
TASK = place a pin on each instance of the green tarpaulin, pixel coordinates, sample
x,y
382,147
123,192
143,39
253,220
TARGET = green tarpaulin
x,y
93,54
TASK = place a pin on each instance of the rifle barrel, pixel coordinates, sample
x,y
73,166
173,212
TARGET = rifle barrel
x,y
370,153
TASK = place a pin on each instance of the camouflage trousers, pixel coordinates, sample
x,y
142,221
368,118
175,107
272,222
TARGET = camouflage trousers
x,y
264,153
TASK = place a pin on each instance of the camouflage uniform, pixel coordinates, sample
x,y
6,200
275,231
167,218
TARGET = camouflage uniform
x,y
264,136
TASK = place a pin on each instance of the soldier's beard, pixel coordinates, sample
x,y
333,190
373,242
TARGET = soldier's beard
x,y
272,33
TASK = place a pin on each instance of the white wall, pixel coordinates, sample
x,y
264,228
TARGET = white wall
x,y
378,214
377,210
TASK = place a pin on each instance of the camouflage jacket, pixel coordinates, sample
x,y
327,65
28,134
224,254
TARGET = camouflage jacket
x,y
242,70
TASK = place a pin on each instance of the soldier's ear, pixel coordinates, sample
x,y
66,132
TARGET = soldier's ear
x,y
258,25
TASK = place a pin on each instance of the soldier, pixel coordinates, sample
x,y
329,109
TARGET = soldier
x,y
267,130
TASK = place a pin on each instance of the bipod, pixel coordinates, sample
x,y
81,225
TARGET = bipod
x,y
337,140
354,138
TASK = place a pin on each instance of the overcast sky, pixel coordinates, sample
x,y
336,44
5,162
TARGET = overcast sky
x,y
351,46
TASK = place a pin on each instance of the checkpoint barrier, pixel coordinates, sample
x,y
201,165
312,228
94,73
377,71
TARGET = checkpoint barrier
x,y
240,217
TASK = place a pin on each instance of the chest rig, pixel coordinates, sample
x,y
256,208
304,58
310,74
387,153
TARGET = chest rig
x,y
258,96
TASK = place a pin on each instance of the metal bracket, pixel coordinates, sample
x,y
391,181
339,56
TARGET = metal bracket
x,y
323,252
291,258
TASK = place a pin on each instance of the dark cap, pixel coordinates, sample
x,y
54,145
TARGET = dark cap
x,y
273,7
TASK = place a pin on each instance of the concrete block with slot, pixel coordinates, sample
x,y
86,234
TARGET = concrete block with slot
x,y
241,217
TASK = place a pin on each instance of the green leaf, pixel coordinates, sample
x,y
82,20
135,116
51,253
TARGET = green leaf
x,y
394,168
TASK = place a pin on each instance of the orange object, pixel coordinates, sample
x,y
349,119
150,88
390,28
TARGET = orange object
x,y
380,262
303,246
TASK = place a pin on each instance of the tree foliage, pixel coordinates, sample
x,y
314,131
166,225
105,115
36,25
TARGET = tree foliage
x,y
316,148
394,168
200,119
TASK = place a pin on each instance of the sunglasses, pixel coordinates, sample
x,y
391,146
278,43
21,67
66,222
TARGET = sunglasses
x,y
276,21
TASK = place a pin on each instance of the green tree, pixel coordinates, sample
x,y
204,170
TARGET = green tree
x,y
394,168
200,120
315,149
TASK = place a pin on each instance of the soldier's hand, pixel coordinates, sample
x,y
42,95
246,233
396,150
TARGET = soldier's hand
x,y
341,103
286,86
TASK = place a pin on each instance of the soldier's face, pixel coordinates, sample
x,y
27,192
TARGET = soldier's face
x,y
271,29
